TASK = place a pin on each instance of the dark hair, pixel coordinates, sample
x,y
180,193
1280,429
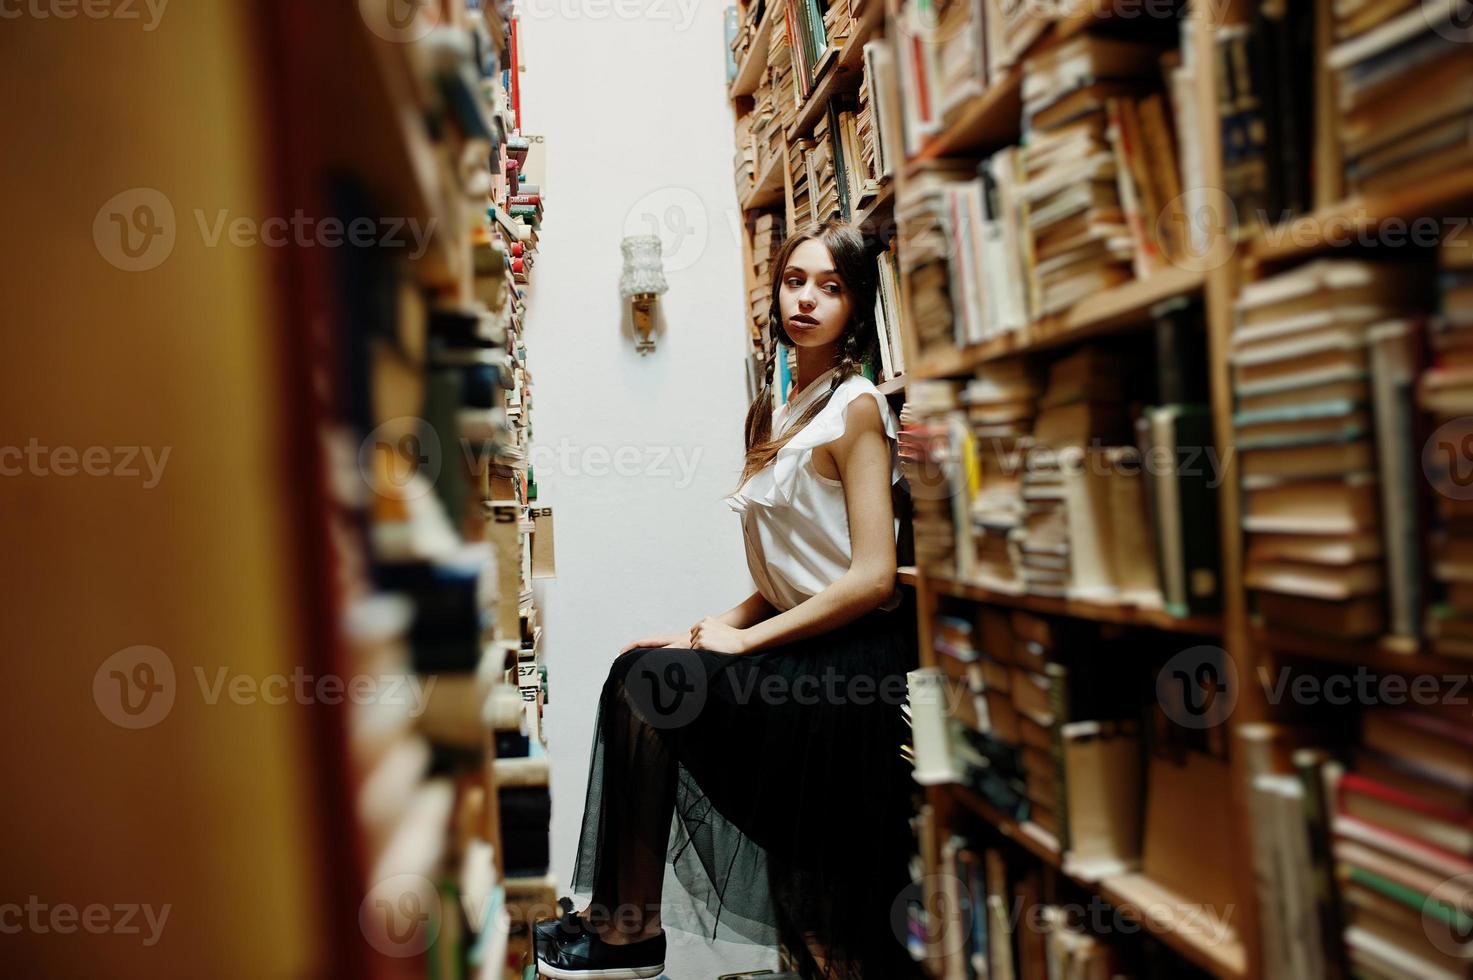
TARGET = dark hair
x,y
854,260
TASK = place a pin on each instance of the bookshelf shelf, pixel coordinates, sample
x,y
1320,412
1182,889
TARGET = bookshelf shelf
x,y
992,118
768,190
1350,221
1391,655
843,74
880,206
750,71
894,386
1126,305
906,575
1100,612
1210,944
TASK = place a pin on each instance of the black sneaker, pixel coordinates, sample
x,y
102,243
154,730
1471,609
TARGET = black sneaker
x,y
567,925
587,957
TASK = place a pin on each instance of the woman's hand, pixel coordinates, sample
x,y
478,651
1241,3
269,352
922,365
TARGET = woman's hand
x,y
719,637
658,640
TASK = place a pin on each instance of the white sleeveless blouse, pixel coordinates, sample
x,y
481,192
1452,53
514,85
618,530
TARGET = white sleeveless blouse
x,y
795,522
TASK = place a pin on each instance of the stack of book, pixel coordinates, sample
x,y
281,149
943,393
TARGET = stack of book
x,y
1321,359
1079,239
1402,844
881,96
824,166
1149,181
865,134
1446,393
1001,402
767,237
744,159
943,63
803,199
925,458
1266,111
748,18
1066,544
780,86
926,260
889,315
1404,87
857,151
1013,27
813,51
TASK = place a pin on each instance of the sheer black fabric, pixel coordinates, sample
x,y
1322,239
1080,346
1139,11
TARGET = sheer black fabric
x,y
774,786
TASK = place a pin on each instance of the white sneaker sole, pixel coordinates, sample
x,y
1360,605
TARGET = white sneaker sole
x,y
622,973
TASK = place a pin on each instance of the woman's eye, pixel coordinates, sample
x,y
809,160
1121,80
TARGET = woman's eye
x,y
833,287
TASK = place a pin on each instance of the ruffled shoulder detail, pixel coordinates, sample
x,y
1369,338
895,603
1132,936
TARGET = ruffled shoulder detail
x,y
774,485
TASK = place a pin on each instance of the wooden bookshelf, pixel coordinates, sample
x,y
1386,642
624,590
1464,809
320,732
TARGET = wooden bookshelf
x,y
1212,946
749,72
1449,195
768,190
844,74
879,208
1127,305
988,120
1099,612
1390,655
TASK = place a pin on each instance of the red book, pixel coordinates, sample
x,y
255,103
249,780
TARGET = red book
x,y
525,199
1401,813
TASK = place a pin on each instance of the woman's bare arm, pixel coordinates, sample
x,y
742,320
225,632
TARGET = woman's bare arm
x,y
862,456
750,611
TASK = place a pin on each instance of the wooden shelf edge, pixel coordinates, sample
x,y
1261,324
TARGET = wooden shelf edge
x,y
1099,612
1393,655
1128,304
765,192
894,386
750,70
992,117
883,201
1153,906
1308,234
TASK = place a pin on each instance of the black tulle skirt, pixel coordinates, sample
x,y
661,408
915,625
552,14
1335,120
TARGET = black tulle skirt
x,y
774,785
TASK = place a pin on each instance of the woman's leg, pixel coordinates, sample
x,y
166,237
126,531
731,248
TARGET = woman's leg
x,y
635,788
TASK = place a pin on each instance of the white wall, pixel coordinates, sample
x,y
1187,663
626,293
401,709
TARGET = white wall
x,y
652,549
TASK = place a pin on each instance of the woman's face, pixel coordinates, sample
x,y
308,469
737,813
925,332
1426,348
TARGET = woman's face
x,y
813,300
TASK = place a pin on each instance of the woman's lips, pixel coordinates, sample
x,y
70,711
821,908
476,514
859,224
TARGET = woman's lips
x,y
802,323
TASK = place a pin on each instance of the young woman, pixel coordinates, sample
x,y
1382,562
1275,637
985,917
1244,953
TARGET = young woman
x,y
772,732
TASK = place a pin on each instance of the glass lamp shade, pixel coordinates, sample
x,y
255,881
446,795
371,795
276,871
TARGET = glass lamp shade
x,y
643,273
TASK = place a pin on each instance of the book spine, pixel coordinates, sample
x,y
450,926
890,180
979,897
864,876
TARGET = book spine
x,y
1058,697
1309,765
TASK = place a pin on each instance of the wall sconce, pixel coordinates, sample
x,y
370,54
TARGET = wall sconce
x,y
642,281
